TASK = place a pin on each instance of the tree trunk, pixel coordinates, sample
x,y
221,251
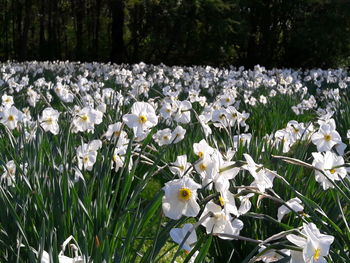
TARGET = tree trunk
x,y
117,52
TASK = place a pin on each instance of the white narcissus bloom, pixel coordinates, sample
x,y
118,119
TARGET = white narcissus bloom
x,y
87,154
86,119
284,138
219,118
180,198
114,131
295,204
10,117
9,174
49,119
179,234
331,164
202,149
296,130
272,255
227,201
232,115
220,222
162,137
325,138
141,119
166,110
224,171
180,166
241,140
263,178
314,244
183,112
7,101
207,168
178,134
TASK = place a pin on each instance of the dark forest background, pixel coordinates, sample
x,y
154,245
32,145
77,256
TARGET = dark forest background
x,y
273,33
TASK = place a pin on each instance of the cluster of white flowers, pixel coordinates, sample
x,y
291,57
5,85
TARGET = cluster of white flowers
x,y
118,108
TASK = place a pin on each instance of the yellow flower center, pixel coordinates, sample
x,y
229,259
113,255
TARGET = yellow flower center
x,y
228,100
168,110
165,138
116,133
327,137
85,159
200,154
181,167
332,171
221,200
115,157
142,119
317,253
49,120
184,194
84,117
220,216
10,118
234,115
202,167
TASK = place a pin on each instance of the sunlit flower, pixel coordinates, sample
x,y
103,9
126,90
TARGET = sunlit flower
x,y
180,198
220,222
10,117
179,234
181,166
314,244
141,119
325,138
332,165
295,204
49,120
87,154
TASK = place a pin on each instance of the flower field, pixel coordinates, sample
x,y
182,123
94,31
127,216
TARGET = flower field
x,y
143,163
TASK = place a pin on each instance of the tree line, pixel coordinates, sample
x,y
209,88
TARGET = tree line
x,y
273,33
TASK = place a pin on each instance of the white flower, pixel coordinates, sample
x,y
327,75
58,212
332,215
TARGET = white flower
x,y
9,174
10,117
241,140
167,110
87,154
141,119
180,198
294,204
202,149
178,134
272,255
181,166
220,222
314,244
179,234
49,119
163,137
7,101
183,113
325,138
86,119
263,178
330,164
